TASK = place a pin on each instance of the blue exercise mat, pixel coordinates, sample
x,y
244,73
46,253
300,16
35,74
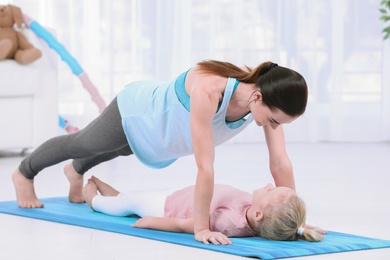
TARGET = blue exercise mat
x,y
61,211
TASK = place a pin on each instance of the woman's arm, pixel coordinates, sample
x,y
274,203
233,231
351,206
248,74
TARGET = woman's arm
x,y
205,92
166,224
280,165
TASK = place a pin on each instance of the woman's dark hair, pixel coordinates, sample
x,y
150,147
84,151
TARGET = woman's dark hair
x,y
280,87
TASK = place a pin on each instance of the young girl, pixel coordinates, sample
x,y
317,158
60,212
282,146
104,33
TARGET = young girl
x,y
160,122
271,213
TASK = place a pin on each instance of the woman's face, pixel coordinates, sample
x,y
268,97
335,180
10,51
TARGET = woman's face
x,y
264,116
270,196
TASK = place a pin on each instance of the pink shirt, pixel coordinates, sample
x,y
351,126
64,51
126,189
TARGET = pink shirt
x,y
227,211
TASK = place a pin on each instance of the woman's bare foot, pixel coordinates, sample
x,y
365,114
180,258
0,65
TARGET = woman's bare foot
x,y
25,192
89,192
104,188
76,182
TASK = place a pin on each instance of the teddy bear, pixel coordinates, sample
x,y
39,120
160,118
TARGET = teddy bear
x,y
13,44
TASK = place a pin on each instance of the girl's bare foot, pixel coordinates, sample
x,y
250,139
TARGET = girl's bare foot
x,y
89,192
76,182
104,188
25,192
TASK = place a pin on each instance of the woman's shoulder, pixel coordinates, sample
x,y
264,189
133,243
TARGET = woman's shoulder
x,y
198,79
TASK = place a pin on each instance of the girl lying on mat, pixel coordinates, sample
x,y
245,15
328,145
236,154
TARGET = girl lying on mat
x,y
271,213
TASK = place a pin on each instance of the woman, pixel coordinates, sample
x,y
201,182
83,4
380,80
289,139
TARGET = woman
x,y
160,122
271,213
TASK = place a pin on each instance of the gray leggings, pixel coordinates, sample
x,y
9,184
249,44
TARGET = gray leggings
x,y
102,140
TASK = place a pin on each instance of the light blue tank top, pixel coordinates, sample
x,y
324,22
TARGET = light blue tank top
x,y
156,120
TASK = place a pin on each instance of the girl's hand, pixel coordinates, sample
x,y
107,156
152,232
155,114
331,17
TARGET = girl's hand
x,y
217,238
319,230
143,222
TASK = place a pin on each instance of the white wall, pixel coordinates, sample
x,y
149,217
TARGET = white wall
x,y
336,44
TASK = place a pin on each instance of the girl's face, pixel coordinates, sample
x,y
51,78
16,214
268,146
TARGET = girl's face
x,y
270,196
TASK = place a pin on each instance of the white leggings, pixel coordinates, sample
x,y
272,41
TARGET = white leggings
x,y
141,203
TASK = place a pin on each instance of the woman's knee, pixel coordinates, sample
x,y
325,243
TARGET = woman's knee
x,y
125,151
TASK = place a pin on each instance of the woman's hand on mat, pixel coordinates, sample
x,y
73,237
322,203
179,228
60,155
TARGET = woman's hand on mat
x,y
217,238
319,230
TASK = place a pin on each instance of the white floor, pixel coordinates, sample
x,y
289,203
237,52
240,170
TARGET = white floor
x,y
346,188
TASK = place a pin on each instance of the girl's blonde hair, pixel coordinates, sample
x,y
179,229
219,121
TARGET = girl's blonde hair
x,y
283,221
